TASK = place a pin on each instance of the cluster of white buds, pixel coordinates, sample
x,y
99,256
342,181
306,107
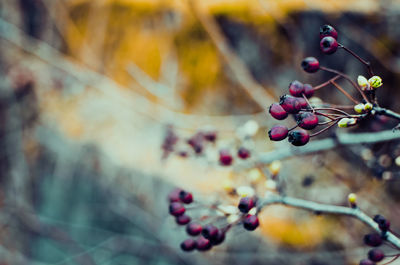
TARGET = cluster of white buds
x,y
363,108
369,84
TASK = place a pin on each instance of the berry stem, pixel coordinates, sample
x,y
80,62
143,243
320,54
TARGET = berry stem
x,y
387,112
327,82
294,127
334,109
308,102
344,92
395,257
366,63
347,78
334,122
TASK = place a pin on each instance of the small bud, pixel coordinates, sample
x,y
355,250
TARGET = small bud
x,y
363,83
359,108
228,185
270,184
245,191
368,106
254,174
275,167
346,122
352,198
375,81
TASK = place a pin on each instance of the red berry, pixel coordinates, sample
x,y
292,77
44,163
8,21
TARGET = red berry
x,y
310,65
373,240
203,244
210,232
367,262
210,136
296,88
246,203
327,30
290,104
176,209
308,90
298,137
303,103
277,111
376,255
278,133
188,245
243,153
225,157
173,196
307,120
185,197
194,229
218,239
183,219
250,222
328,45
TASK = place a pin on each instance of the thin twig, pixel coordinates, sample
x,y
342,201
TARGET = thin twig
x,y
327,82
344,92
367,64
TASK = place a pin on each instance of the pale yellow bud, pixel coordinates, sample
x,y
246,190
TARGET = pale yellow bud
x,y
254,174
245,191
275,167
352,198
363,82
270,184
375,81
346,122
359,108
368,107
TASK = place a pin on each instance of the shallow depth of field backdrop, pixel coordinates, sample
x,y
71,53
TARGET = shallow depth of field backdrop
x,y
88,87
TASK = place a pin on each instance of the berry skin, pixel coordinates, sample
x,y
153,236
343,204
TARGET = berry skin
x,y
328,45
308,90
367,262
194,229
376,254
384,224
250,222
203,244
278,133
290,104
373,240
183,219
185,197
176,209
243,153
219,238
310,65
246,203
225,157
303,103
277,111
327,30
210,232
188,245
307,120
173,196
296,88
298,137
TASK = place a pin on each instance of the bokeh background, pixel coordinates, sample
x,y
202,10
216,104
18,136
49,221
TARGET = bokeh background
x,y
88,88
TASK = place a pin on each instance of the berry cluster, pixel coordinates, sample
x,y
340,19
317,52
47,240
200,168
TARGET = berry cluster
x,y
208,233
309,113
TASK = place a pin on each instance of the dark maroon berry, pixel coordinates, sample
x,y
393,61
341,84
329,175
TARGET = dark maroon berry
x,y
210,232
298,137
196,142
183,219
278,133
327,30
243,153
246,203
296,88
277,111
308,90
218,239
303,103
188,245
307,120
290,104
225,157
373,240
376,255
185,197
203,244
183,154
210,136
367,262
194,229
250,222
176,209
173,196
384,224
328,45
310,65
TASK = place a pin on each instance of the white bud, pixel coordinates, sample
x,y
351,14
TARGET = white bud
x,y
363,82
375,81
359,108
245,191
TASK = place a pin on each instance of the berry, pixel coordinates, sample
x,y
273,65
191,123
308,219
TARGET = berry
x,y
243,153
173,196
194,229
219,238
308,90
373,240
185,197
210,136
246,203
384,224
303,103
196,142
278,133
296,88
376,255
298,137
183,219
176,209
290,104
307,120
327,30
225,157
277,111
367,262
328,45
203,244
250,222
188,245
210,232
310,65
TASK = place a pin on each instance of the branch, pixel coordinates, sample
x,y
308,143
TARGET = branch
x,y
387,112
329,209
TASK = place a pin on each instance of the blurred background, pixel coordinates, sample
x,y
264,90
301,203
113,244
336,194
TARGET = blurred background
x,y
88,89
